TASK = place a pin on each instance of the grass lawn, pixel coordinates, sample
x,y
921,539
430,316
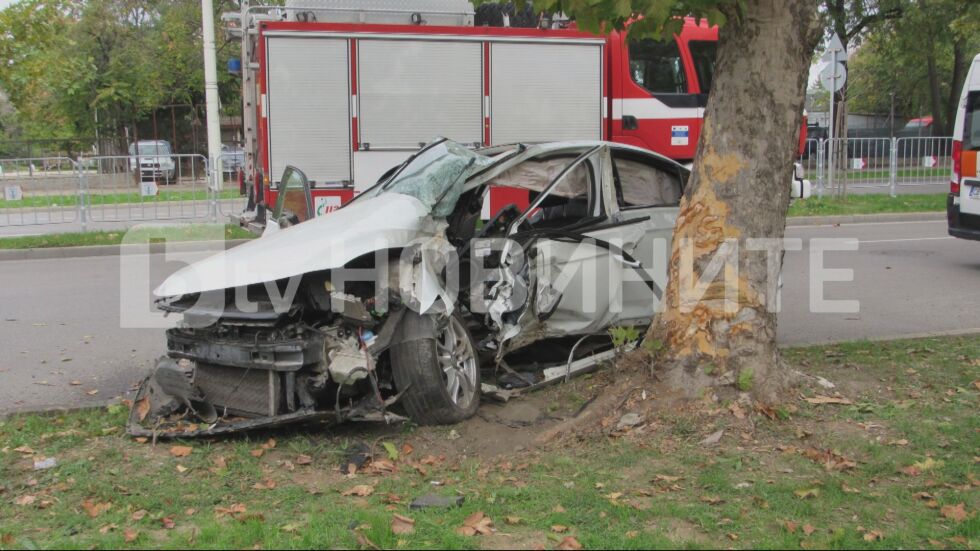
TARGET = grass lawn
x,y
909,173
70,199
187,232
894,468
868,204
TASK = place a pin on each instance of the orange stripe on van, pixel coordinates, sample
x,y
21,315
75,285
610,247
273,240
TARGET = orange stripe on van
x,y
968,167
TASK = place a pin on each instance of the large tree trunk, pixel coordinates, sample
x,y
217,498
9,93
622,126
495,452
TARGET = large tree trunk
x,y
956,83
935,98
739,190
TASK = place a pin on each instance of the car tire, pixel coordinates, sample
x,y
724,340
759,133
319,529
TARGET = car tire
x,y
424,369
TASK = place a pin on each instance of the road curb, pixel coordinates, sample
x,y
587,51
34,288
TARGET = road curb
x,y
116,250
802,221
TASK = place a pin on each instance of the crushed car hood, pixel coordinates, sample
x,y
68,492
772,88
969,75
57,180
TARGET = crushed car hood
x,y
323,243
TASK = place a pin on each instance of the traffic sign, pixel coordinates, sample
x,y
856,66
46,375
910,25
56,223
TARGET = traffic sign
x,y
833,76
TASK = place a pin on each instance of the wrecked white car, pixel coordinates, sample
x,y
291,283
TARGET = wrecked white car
x,y
412,300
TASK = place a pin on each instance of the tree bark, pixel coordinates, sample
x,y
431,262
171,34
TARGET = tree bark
x,y
935,99
739,191
956,83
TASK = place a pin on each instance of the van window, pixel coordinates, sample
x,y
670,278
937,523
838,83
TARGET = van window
x,y
971,128
657,66
703,54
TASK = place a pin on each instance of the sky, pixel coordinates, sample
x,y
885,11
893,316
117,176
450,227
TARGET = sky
x,y
5,3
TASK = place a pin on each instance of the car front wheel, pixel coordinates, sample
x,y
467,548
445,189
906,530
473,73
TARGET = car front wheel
x,y
440,376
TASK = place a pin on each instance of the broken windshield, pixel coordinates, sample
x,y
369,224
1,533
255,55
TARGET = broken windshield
x,y
436,175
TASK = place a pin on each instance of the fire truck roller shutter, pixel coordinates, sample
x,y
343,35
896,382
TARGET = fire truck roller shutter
x,y
545,92
309,107
411,91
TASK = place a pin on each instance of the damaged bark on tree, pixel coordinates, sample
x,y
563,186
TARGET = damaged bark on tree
x,y
738,192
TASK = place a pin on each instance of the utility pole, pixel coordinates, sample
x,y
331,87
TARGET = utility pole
x,y
211,93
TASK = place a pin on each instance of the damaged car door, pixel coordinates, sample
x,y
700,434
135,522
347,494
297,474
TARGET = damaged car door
x,y
583,276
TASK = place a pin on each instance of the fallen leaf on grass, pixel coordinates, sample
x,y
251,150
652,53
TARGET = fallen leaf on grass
x,y
130,535
821,399
235,511
257,452
713,438
559,528
558,509
181,451
24,501
182,469
138,515
267,484
292,527
361,490
712,500
270,444
808,529
363,541
830,460
477,523
927,465
955,513
108,528
142,407
872,535
402,525
26,450
168,523
790,526
513,520
407,449
304,460
391,450
94,508
665,478
807,493
569,544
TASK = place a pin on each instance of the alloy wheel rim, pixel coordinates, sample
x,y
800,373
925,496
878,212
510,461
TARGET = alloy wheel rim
x,y
458,362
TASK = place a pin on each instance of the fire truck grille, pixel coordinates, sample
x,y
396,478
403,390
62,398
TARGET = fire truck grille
x,y
248,392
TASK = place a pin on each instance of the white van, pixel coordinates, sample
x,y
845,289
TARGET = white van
x,y
963,204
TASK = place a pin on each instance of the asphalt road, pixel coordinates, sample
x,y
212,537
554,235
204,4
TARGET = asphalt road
x,y
60,319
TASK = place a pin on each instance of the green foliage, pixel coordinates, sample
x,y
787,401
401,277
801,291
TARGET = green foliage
x,y
647,18
623,335
653,346
62,59
895,59
745,377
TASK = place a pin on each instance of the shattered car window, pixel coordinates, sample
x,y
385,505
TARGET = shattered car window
x,y
437,175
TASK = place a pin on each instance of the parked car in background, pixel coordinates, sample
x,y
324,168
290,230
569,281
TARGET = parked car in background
x,y
446,307
232,158
153,161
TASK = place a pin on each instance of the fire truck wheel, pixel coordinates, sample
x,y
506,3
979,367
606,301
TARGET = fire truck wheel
x,y
441,375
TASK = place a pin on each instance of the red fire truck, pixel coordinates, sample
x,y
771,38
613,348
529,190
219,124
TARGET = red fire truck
x,y
347,89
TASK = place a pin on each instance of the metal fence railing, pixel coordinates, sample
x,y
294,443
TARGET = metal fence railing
x,y
60,190
39,191
894,165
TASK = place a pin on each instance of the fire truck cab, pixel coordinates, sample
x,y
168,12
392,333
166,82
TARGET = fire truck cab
x,y
348,89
